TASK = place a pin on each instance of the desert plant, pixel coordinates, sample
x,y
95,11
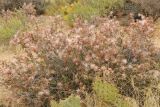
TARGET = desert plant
x,y
71,101
10,23
110,94
70,9
59,61
54,6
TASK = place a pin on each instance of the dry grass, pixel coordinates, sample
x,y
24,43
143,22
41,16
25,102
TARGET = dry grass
x,y
7,53
156,37
157,41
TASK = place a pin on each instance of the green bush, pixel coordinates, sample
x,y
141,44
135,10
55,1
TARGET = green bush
x,y
110,94
71,101
54,6
86,9
10,23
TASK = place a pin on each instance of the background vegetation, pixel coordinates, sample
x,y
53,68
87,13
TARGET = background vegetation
x,y
77,54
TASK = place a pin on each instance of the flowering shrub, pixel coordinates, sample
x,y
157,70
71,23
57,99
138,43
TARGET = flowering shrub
x,y
124,54
59,61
